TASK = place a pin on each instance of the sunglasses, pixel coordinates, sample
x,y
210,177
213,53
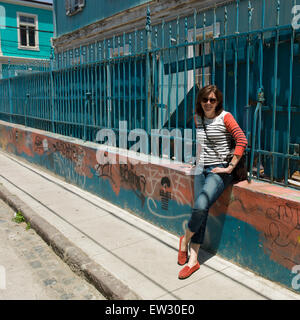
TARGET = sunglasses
x,y
211,100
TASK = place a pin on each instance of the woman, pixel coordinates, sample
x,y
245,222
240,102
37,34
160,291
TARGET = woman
x,y
215,127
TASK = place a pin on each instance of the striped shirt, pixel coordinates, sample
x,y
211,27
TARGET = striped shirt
x,y
220,132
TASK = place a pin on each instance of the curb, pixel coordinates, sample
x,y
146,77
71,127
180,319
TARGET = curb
x,y
110,286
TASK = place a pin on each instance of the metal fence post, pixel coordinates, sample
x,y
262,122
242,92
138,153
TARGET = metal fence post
x,y
260,101
52,90
87,104
25,108
148,74
9,92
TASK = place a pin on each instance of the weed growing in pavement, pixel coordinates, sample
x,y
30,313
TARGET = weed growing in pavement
x,y
19,218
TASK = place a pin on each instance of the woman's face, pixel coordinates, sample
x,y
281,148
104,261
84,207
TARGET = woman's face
x,y
209,105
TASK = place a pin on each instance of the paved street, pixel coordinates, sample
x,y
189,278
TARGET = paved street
x,y
32,270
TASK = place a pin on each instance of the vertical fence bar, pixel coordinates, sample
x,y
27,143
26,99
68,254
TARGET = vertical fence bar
x,y
236,59
25,108
124,85
53,92
116,66
185,69
250,9
224,58
59,111
261,85
100,101
177,156
143,95
9,92
260,99
85,94
38,97
194,69
95,91
119,82
89,91
77,92
213,75
73,93
135,77
287,160
148,74
34,100
129,81
80,92
156,79
275,91
68,93
162,73
169,77
49,99
203,49
105,76
28,88
64,91
92,90
194,40
43,96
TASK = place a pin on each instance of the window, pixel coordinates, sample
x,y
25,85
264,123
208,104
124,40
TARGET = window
x,y
202,75
27,31
74,6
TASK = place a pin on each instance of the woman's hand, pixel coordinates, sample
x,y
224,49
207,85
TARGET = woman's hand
x,y
233,163
227,170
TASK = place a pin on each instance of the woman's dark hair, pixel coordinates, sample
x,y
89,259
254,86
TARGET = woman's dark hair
x,y
204,93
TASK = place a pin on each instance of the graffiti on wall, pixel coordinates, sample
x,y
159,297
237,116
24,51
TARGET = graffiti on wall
x,y
154,185
283,233
276,219
157,188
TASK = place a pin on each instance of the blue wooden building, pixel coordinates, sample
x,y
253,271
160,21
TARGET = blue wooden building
x,y
26,29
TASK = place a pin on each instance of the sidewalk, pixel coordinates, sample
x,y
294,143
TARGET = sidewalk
x,y
122,255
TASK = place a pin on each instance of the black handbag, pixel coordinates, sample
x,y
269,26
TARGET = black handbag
x,y
240,172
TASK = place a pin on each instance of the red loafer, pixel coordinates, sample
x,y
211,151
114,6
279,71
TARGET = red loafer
x,y
182,255
187,271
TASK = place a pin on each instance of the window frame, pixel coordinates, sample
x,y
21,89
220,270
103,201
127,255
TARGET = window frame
x,y
36,35
71,9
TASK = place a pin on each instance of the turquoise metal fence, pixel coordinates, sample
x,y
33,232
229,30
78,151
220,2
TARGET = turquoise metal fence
x,y
150,79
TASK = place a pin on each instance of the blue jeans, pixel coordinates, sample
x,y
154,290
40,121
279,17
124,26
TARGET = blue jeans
x,y
208,187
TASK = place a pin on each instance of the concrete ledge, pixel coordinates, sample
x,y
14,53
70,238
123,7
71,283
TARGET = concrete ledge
x,y
111,287
254,225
